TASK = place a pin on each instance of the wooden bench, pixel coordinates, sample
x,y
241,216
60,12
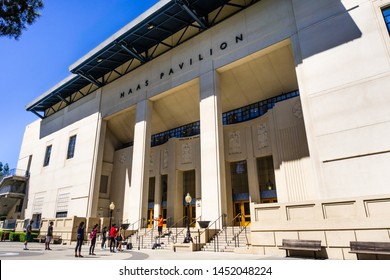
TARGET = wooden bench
x,y
301,245
55,238
365,247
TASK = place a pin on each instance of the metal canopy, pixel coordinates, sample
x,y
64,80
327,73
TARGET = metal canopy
x,y
139,43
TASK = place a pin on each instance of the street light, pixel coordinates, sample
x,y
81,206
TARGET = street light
x,y
188,237
112,207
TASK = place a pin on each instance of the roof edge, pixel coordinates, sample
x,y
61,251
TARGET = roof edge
x,y
50,91
119,33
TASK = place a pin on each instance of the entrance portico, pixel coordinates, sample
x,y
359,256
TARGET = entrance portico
x,y
196,130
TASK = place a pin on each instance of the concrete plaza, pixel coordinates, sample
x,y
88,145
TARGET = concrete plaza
x,y
14,251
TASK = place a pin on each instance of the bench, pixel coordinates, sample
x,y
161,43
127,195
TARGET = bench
x,y
365,247
301,245
55,238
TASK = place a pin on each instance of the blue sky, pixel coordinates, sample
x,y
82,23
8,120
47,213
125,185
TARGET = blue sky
x,y
66,30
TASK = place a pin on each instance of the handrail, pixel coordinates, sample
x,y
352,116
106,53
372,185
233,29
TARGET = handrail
x,y
215,237
132,225
232,222
132,228
178,233
15,172
140,238
175,226
236,237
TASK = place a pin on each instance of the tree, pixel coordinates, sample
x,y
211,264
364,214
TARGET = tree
x,y
4,169
15,15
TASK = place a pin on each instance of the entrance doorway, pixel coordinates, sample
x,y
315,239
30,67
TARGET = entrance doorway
x,y
189,187
240,190
191,214
242,207
150,217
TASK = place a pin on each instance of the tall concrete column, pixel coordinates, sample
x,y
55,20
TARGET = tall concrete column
x,y
172,199
212,148
96,171
157,194
198,193
140,164
253,181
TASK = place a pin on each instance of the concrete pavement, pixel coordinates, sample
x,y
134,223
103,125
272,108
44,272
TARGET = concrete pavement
x,y
14,251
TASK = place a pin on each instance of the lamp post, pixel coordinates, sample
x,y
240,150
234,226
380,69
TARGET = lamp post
x,y
188,237
112,207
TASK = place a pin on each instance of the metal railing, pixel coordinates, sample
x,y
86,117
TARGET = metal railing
x,y
15,172
219,224
12,189
140,238
132,226
175,226
174,238
236,236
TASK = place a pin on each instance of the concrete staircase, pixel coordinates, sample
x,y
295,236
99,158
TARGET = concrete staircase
x,y
146,239
225,241
228,239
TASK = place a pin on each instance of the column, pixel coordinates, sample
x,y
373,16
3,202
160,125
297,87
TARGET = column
x,y
212,148
253,181
172,199
157,194
140,164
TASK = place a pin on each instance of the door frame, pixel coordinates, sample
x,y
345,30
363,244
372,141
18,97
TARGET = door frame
x,y
245,217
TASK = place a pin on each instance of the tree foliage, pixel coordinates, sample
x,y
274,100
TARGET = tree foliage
x,y
4,169
16,15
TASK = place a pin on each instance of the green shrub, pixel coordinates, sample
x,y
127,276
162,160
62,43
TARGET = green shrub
x,y
17,236
4,234
13,236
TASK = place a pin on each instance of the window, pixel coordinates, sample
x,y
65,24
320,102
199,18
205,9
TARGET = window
x,y
71,147
239,179
103,184
47,156
62,214
63,199
266,177
386,16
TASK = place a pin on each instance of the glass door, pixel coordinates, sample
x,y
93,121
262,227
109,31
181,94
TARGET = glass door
x,y
242,207
150,217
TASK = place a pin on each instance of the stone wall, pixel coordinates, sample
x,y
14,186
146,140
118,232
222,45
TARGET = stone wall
x,y
334,222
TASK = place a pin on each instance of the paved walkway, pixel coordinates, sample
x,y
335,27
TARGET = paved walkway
x,y
14,251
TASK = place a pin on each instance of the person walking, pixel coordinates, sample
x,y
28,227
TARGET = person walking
x,y
49,236
80,240
28,234
113,232
92,237
104,237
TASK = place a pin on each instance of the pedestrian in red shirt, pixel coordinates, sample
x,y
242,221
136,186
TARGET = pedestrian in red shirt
x,y
113,232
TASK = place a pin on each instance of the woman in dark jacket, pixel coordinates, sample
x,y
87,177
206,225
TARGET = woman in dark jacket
x,y
80,240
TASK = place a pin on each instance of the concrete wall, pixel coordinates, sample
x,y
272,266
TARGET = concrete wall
x,y
342,87
335,222
71,178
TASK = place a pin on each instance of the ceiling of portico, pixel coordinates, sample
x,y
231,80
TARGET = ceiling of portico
x,y
259,76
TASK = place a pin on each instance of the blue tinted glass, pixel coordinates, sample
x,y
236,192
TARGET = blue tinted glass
x,y
386,12
386,15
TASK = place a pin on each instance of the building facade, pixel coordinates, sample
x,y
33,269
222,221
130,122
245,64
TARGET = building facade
x,y
275,110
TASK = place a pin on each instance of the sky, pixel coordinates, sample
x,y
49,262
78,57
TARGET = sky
x,y
40,58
